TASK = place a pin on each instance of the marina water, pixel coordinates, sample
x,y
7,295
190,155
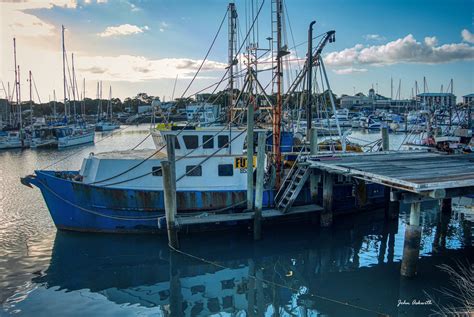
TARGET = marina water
x,y
351,269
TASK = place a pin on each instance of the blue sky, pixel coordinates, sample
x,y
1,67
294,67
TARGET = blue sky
x,y
140,46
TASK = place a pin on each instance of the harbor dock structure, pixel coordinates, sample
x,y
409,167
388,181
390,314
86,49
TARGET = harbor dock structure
x,y
409,177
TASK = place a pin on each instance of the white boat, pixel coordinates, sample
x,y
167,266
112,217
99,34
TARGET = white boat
x,y
74,135
13,140
43,136
106,126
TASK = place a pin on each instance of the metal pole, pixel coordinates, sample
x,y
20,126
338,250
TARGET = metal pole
x,y
314,179
257,233
331,97
66,111
278,107
31,100
309,112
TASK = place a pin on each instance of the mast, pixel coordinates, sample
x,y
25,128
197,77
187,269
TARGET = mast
x,y
19,99
17,82
83,97
232,16
109,106
31,100
278,107
66,112
309,113
74,84
54,103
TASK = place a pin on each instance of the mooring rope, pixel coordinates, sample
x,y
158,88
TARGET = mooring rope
x,y
325,298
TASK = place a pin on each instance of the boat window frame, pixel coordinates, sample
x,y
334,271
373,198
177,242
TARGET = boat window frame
x,y
156,171
224,173
206,144
224,144
193,145
194,170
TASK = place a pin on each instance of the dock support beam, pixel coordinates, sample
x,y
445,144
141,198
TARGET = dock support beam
x,y
257,226
385,138
250,120
169,188
446,205
328,185
314,179
392,208
411,247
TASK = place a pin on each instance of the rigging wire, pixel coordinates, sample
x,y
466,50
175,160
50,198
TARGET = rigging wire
x,y
207,54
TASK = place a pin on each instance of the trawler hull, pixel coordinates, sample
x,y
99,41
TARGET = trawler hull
x,y
81,207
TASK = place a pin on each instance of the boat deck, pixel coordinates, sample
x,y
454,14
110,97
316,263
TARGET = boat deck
x,y
414,171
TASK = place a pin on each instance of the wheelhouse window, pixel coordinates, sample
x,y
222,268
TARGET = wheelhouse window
x,y
191,141
194,170
226,170
207,141
156,171
223,141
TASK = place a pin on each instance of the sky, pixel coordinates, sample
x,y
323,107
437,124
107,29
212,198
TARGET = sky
x,y
149,45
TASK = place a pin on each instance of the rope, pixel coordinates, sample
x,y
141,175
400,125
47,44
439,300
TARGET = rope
x,y
196,214
93,211
347,304
207,54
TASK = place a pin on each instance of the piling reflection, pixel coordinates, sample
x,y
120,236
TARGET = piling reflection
x,y
292,271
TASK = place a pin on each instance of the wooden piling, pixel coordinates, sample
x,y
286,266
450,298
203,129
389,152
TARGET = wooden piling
x,y
250,187
257,227
411,246
314,178
328,185
391,208
385,138
170,203
169,188
446,205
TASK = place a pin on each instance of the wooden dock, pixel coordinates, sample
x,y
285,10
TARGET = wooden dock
x,y
409,177
210,218
426,173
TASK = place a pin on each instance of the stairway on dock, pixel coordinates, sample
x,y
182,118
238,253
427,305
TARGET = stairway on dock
x,y
292,186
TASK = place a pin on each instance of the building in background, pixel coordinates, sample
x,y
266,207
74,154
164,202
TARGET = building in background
x,y
436,99
468,99
375,101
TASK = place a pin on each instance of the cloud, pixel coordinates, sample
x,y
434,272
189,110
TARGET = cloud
x,y
163,26
404,50
349,70
122,30
139,68
374,37
467,36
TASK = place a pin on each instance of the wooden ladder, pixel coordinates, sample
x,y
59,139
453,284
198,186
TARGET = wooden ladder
x,y
291,187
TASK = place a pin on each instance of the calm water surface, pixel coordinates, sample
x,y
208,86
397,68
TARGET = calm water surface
x,y
301,271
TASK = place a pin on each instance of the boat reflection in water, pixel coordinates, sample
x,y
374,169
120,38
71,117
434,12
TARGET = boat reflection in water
x,y
356,262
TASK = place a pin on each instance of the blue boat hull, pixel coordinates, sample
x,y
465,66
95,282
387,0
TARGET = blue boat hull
x,y
82,207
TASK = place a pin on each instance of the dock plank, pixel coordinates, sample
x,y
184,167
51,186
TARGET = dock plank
x,y
413,171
